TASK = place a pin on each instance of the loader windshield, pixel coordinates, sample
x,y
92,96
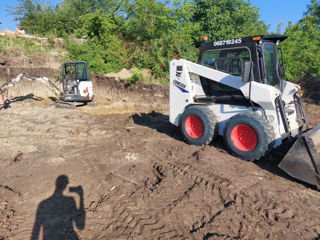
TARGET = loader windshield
x,y
270,55
226,60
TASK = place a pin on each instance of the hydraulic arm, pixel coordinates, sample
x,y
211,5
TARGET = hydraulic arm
x,y
30,77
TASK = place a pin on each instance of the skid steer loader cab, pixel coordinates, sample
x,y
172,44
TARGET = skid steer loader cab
x,y
236,91
229,56
77,86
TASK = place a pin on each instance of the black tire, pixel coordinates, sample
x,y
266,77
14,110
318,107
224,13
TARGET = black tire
x,y
248,136
198,115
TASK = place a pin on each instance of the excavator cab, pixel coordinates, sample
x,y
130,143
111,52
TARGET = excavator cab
x,y
77,86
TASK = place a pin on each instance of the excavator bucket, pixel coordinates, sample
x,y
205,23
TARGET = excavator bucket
x,y
302,160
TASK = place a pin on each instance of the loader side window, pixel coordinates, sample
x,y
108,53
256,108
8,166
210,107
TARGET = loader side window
x,y
227,60
271,62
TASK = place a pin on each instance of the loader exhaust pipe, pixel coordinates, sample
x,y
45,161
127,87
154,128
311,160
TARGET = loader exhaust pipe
x,y
302,160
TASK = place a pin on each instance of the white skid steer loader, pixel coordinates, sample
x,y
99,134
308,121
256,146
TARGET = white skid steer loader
x,y
236,91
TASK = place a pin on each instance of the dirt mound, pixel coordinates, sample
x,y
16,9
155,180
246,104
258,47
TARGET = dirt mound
x,y
109,88
125,74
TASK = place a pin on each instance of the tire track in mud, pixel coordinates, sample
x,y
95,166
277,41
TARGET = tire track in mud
x,y
131,218
248,213
213,193
144,213
24,228
242,211
175,200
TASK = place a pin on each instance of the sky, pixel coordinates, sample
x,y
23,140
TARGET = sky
x,y
272,12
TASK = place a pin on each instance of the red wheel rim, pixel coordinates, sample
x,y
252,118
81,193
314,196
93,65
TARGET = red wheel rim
x,y
194,126
244,137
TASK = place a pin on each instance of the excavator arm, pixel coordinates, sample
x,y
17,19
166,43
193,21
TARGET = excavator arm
x,y
30,77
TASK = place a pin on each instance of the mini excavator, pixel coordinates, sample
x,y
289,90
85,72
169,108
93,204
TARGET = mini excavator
x,y
76,84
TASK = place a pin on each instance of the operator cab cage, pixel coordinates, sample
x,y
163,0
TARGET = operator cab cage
x,y
72,74
75,71
230,55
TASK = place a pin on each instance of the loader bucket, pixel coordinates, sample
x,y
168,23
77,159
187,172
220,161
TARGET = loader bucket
x,y
302,160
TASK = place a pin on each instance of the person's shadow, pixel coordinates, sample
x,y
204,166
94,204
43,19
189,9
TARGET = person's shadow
x,y
56,214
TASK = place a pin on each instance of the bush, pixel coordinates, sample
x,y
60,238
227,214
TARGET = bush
x,y
137,76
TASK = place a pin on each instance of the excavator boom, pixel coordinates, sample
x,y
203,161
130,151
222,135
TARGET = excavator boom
x,y
31,77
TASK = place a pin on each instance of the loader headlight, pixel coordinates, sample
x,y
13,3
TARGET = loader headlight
x,y
299,90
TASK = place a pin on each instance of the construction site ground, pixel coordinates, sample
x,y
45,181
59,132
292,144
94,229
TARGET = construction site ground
x,y
140,179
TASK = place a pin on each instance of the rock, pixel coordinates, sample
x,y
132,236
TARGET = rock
x,y
3,61
18,157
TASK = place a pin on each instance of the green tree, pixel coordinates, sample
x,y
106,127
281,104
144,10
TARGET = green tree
x,y
68,14
314,10
223,19
302,49
147,19
103,49
157,32
33,15
138,33
40,17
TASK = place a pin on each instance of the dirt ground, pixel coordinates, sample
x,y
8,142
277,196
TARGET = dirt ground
x,y
133,177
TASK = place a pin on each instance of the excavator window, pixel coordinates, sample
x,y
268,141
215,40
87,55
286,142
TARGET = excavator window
x,y
81,72
70,72
76,71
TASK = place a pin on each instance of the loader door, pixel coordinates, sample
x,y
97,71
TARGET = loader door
x,y
225,60
271,64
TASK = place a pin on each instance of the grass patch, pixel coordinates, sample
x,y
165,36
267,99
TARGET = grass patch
x,y
161,81
17,46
